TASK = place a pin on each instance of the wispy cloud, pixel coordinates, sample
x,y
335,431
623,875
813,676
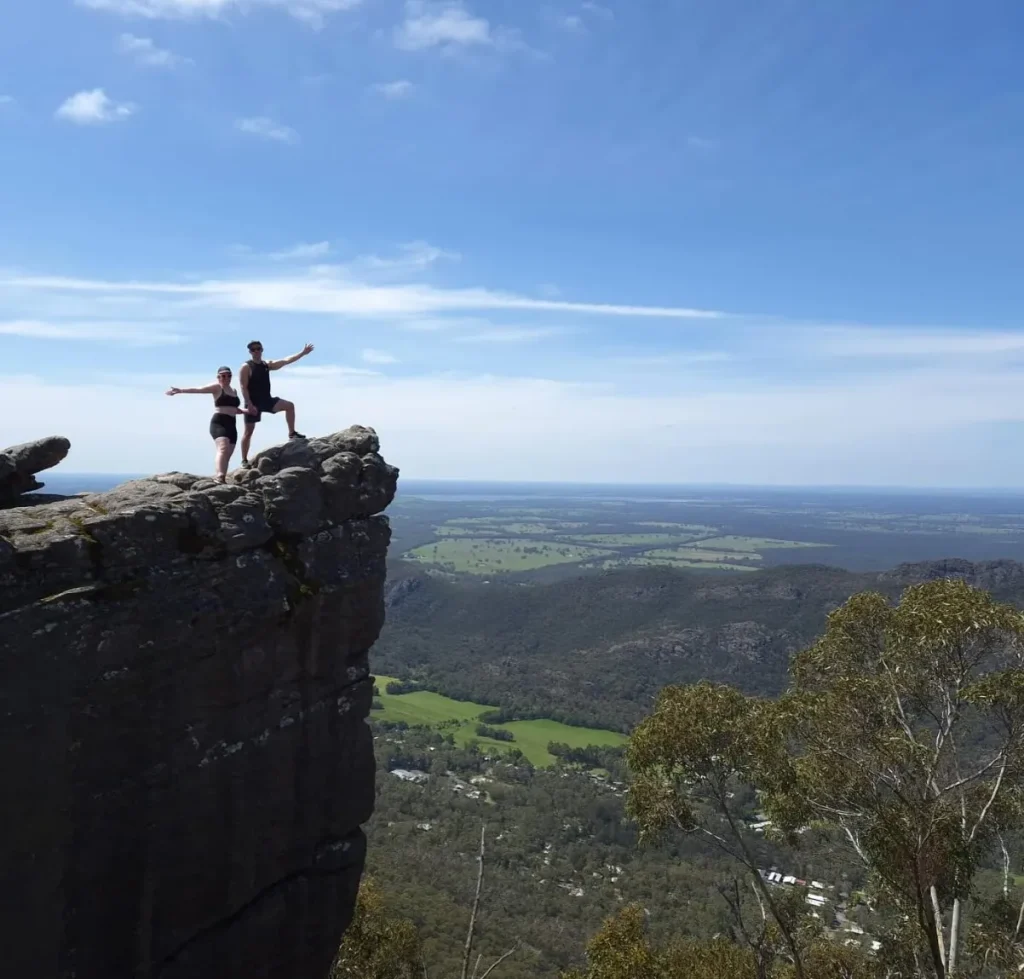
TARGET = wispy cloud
x,y
138,334
336,292
598,10
312,12
267,128
145,52
379,357
573,23
512,334
411,256
6,100
393,90
94,107
449,25
701,143
876,342
321,372
302,252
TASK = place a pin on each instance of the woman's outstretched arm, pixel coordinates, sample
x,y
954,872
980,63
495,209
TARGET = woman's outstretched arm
x,y
209,389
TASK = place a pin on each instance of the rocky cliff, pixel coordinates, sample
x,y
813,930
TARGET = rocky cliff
x,y
183,688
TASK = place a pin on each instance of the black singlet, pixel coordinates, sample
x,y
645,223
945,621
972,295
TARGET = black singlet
x,y
259,382
225,400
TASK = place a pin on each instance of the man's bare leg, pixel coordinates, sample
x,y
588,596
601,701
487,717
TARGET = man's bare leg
x,y
246,439
289,413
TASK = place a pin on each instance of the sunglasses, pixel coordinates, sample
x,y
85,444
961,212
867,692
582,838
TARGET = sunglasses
x,y
226,374
254,348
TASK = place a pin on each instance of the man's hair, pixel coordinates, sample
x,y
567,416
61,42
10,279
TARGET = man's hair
x,y
253,343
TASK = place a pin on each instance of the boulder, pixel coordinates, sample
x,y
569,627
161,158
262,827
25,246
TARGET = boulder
x,y
20,463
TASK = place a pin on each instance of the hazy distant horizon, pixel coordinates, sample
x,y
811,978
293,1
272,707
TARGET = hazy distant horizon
x,y
76,482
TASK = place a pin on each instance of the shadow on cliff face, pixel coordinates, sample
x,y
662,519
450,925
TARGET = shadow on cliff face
x,y
183,702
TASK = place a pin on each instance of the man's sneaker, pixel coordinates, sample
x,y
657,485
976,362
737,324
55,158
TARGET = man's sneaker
x,y
296,435
246,464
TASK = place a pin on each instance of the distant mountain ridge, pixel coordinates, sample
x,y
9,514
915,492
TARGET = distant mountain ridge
x,y
596,649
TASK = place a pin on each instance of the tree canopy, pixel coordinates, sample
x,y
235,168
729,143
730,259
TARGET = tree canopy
x,y
902,736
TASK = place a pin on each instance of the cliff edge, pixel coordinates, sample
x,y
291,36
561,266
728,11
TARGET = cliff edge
x,y
183,693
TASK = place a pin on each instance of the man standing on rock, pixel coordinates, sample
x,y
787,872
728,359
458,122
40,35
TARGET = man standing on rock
x,y
254,379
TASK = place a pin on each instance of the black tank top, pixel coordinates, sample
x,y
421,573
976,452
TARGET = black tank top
x,y
259,381
225,400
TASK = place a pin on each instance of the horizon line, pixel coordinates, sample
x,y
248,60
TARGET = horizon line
x,y
803,487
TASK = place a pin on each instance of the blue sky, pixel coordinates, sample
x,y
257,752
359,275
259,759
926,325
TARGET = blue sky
x,y
753,241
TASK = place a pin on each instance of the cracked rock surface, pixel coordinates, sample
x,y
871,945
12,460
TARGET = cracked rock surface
x,y
183,692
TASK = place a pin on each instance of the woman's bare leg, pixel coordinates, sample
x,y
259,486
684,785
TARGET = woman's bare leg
x,y
225,449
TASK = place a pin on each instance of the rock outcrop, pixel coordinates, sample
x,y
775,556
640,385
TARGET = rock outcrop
x,y
20,463
185,759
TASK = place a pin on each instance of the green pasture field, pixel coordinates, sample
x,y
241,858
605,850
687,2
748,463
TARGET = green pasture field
x,y
629,540
733,543
531,737
499,554
698,552
695,528
648,562
486,530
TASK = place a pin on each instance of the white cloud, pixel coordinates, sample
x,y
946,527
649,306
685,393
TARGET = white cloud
x,y
302,252
93,107
379,357
6,100
701,143
312,12
145,52
266,128
512,334
572,23
873,342
412,256
137,334
598,10
393,90
334,292
448,25
327,371
853,433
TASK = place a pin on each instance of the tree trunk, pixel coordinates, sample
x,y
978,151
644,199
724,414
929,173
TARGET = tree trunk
x,y
954,937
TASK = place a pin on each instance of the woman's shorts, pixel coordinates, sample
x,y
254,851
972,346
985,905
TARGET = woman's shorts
x,y
224,427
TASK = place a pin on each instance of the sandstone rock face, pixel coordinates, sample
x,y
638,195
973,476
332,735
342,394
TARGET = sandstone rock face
x,y
20,463
183,693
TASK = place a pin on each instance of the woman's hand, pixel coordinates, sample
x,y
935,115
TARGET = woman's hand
x,y
172,391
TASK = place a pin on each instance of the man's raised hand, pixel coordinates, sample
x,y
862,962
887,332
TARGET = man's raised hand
x,y
307,349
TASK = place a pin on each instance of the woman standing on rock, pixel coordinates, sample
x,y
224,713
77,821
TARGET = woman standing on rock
x,y
223,428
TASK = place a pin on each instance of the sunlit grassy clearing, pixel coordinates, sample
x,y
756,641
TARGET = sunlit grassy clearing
x,y
734,543
491,556
531,737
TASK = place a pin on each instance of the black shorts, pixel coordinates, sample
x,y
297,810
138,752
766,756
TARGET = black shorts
x,y
268,405
224,427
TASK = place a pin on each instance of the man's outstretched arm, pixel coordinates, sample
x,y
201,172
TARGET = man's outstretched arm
x,y
276,365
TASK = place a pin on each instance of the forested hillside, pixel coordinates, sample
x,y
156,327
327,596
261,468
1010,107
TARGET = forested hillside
x,y
594,650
